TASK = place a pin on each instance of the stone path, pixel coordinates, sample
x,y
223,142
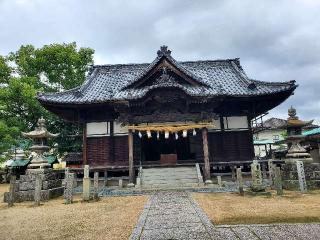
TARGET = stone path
x,y
175,215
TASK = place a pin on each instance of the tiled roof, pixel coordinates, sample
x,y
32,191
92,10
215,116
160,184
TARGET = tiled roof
x,y
278,123
215,77
275,123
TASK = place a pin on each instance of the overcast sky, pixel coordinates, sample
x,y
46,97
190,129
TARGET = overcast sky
x,y
275,40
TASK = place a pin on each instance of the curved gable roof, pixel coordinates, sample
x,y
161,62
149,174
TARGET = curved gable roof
x,y
109,83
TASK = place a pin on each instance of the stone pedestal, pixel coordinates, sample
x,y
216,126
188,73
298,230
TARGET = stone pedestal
x,y
290,176
25,187
257,183
37,190
301,176
219,181
240,181
278,181
96,186
68,191
86,189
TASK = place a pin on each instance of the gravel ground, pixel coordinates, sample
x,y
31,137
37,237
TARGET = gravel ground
x,y
109,218
230,208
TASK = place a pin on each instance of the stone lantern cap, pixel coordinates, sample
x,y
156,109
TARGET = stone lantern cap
x,y
294,121
40,131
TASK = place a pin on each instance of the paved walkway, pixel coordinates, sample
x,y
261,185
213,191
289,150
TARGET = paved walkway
x,y
175,215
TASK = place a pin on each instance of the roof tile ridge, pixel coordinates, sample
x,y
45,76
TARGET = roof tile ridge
x,y
117,65
43,94
290,82
87,82
209,60
186,71
142,74
235,63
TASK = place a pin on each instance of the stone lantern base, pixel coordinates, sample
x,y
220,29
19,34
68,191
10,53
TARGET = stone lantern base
x,y
25,187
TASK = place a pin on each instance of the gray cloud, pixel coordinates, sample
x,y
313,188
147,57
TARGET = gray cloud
x,y
276,40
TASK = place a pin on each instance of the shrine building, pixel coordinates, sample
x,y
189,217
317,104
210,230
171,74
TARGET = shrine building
x,y
167,112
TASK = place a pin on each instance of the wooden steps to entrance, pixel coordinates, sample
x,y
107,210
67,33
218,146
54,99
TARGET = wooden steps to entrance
x,y
170,177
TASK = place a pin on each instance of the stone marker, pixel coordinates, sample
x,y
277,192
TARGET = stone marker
x,y
68,191
233,174
37,190
219,181
66,172
240,181
12,191
86,184
64,182
105,183
264,171
302,177
271,173
278,181
138,182
120,183
257,184
96,185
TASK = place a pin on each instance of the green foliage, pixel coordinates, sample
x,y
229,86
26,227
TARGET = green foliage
x,y
70,139
18,104
8,136
53,67
284,134
61,65
5,70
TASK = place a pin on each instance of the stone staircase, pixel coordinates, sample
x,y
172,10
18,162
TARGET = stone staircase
x,y
171,177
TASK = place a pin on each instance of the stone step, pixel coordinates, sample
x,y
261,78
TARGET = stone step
x,y
173,175
169,176
151,181
169,170
169,186
168,173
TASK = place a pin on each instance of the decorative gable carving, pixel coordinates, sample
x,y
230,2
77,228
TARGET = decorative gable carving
x,y
164,68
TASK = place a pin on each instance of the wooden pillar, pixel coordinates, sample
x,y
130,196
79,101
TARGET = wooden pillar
x,y
131,168
207,174
84,144
112,143
266,149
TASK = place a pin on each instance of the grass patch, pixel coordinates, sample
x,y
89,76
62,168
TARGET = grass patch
x,y
109,218
230,208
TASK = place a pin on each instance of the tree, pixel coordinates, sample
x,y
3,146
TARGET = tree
x,y
59,66
18,104
8,137
5,70
53,67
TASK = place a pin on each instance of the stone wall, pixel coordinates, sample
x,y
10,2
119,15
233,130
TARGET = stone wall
x,y
25,186
290,176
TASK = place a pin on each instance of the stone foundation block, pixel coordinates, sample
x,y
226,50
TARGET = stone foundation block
x,y
51,184
22,196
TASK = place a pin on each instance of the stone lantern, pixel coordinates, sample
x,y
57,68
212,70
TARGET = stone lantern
x,y
39,177
294,130
40,137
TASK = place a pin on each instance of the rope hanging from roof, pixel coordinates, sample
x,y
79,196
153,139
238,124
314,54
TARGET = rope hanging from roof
x,y
173,128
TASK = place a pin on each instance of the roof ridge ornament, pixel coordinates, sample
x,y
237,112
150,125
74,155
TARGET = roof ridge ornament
x,y
164,51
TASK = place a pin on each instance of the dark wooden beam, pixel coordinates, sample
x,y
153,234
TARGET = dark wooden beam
x,y
131,167
84,144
